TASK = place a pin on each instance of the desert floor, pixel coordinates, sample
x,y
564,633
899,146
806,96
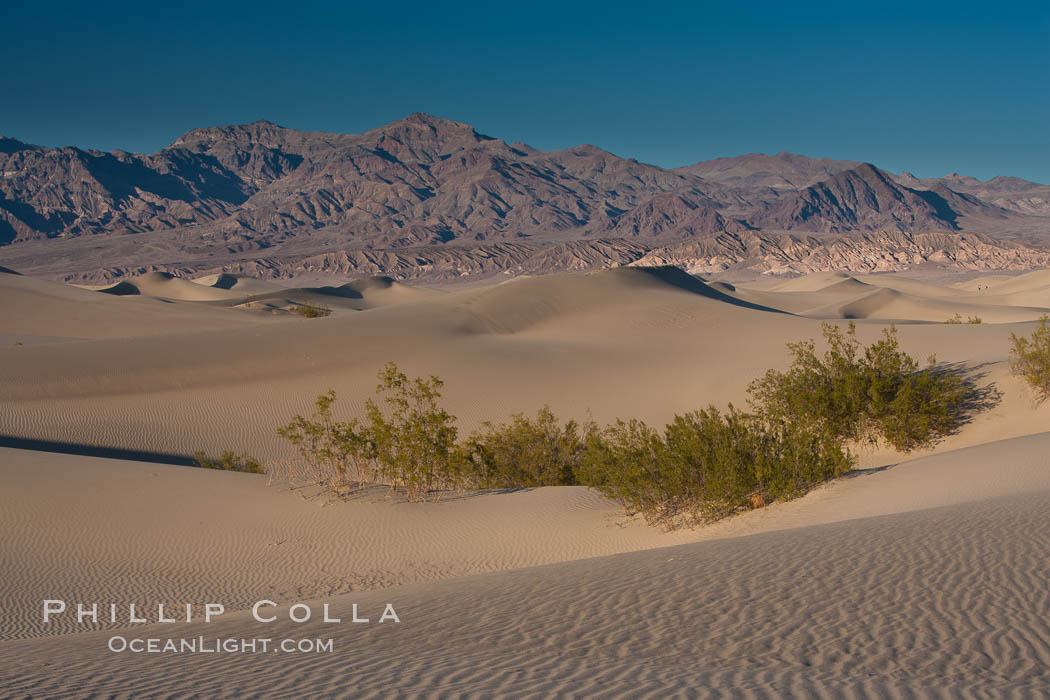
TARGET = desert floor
x,y
917,574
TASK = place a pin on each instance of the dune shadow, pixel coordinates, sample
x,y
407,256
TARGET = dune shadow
x,y
225,281
342,292
677,277
383,493
868,471
974,398
73,448
122,289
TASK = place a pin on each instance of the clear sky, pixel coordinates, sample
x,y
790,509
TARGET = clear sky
x,y
929,87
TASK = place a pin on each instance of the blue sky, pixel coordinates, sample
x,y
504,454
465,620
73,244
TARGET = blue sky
x,y
930,87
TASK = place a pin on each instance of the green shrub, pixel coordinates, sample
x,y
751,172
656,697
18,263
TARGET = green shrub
x,y
412,444
525,452
415,440
909,407
828,393
707,464
626,462
957,318
228,461
312,311
703,465
1030,358
861,397
338,453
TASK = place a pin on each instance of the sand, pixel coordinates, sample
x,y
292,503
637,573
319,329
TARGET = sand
x,y
917,574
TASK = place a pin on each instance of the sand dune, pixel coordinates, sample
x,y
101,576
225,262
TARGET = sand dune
x,y
554,340
571,341
895,297
927,576
885,303
357,295
33,307
251,293
978,283
242,284
38,311
166,286
908,285
1031,289
815,282
98,535
913,576
1036,279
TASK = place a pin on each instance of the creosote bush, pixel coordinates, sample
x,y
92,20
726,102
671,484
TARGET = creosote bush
x,y
861,395
312,310
957,319
525,452
409,441
706,464
414,440
338,453
701,466
230,462
1030,358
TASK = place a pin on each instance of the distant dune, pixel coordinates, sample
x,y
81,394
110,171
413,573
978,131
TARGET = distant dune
x,y
818,281
914,575
41,308
241,284
167,286
209,375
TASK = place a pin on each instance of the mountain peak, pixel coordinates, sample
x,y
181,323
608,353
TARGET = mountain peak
x,y
868,169
861,198
257,131
10,145
429,121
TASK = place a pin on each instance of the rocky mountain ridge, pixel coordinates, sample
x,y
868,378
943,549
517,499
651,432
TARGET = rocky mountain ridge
x,y
263,196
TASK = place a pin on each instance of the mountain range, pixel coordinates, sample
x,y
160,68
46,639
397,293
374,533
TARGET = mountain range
x,y
430,198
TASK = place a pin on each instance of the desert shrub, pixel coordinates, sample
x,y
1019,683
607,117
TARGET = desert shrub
x,y
410,444
957,318
626,462
414,439
708,464
337,452
796,458
861,397
524,452
230,462
828,393
702,466
909,407
1030,358
312,311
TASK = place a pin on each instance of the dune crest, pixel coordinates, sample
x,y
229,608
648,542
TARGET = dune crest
x,y
242,284
167,286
